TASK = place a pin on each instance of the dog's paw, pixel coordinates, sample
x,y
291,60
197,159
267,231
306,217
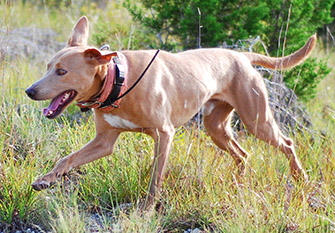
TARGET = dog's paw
x,y
42,183
305,177
300,176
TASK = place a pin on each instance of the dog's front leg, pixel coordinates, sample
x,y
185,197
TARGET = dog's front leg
x,y
163,140
100,146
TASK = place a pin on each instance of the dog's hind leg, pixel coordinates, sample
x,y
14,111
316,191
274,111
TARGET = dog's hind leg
x,y
254,110
217,115
269,132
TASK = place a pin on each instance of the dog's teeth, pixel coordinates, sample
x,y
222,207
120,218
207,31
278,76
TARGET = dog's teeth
x,y
65,97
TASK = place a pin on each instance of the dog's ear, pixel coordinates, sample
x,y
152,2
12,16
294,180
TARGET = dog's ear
x,y
79,34
96,57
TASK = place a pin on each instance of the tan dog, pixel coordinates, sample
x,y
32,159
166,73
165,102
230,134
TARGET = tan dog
x,y
173,90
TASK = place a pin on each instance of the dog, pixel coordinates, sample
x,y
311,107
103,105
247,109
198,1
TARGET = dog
x,y
174,88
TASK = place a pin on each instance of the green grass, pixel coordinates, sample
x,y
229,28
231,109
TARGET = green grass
x,y
200,189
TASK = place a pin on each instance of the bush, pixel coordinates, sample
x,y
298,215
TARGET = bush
x,y
273,20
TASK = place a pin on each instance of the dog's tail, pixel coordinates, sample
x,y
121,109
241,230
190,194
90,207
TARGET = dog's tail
x,y
284,62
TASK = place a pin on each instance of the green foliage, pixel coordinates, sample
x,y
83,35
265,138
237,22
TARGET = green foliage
x,y
107,28
221,20
232,20
122,178
305,78
16,197
302,19
121,36
281,24
50,3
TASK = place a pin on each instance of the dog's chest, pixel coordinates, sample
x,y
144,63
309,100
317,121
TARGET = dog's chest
x,y
118,122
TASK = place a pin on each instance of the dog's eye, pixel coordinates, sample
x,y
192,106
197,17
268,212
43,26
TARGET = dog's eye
x,y
61,71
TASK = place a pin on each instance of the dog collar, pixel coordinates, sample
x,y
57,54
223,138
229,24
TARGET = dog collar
x,y
113,87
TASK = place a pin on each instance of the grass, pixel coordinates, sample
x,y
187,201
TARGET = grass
x,y
200,189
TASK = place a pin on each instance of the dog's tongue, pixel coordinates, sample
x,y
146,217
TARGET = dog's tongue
x,y
53,105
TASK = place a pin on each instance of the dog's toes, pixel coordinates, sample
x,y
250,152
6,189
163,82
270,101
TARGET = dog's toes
x,y
41,184
300,176
305,177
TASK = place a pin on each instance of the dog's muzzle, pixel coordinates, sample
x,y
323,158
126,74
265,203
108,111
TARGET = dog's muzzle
x,y
31,92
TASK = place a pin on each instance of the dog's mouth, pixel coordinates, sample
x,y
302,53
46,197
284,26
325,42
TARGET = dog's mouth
x,y
59,103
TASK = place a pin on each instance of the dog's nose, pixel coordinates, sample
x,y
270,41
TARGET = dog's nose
x,y
31,92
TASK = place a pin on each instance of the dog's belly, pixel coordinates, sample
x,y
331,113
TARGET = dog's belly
x,y
118,122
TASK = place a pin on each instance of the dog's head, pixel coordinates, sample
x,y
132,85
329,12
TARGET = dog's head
x,y
75,73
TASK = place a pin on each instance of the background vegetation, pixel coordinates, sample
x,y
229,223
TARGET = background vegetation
x,y
200,190
284,26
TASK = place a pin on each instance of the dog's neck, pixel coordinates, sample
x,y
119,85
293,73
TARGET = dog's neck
x,y
111,86
99,80
97,84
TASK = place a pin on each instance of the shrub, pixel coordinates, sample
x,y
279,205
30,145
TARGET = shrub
x,y
274,21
